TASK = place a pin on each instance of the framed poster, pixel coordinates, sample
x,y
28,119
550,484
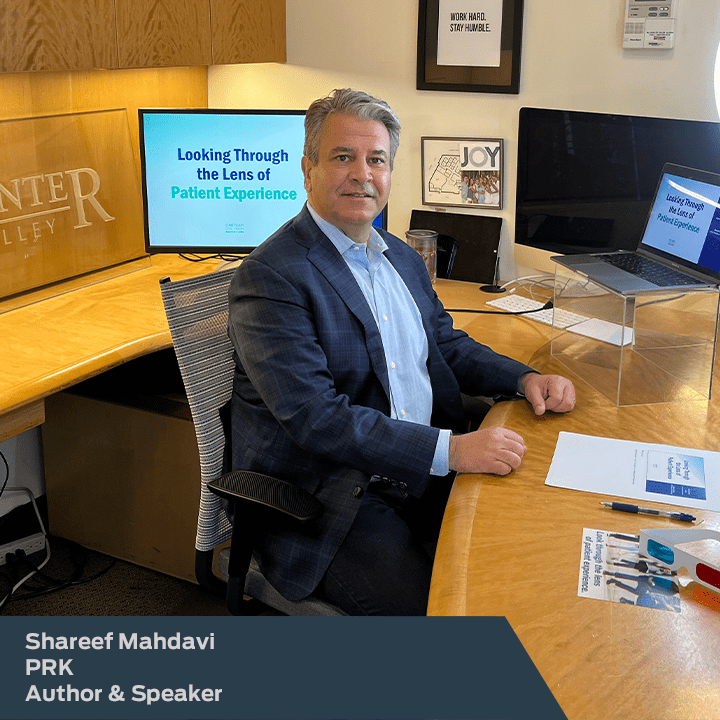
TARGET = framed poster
x,y
462,172
469,45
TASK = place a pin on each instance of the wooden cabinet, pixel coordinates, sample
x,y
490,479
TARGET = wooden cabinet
x,y
57,35
162,33
246,31
67,35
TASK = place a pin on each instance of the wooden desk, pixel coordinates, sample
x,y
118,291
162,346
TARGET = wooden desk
x,y
511,546
109,466
57,342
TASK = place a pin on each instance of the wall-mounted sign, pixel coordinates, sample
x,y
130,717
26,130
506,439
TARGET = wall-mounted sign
x,y
469,32
462,172
469,45
70,201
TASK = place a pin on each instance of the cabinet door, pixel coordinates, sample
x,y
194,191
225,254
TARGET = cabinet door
x,y
57,35
157,33
246,31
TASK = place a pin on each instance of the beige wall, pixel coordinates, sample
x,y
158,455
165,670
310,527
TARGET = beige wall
x,y
572,58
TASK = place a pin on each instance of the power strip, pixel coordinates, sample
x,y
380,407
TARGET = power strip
x,y
31,544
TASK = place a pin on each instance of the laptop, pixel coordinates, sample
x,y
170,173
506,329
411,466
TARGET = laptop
x,y
680,246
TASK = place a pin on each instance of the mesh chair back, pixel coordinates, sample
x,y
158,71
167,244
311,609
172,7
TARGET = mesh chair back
x,y
197,313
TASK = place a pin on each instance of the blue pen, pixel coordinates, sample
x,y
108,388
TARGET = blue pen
x,y
624,507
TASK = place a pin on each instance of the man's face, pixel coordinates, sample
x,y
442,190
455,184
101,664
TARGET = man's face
x,y
350,184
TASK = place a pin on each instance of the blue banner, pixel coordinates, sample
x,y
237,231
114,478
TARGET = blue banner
x,y
268,668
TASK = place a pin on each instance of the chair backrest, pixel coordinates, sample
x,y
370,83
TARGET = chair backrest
x,y
478,238
446,251
197,314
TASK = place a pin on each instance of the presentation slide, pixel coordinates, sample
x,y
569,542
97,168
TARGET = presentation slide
x,y
220,180
685,221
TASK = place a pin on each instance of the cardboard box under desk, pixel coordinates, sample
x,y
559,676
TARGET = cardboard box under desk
x,y
122,469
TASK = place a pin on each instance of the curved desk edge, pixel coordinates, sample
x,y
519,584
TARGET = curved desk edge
x,y
449,585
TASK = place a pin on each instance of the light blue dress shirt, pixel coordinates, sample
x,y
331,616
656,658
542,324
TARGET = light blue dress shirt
x,y
401,329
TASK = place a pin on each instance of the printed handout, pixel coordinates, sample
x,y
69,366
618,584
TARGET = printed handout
x,y
642,471
611,568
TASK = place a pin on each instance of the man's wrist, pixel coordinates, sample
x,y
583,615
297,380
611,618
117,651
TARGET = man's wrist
x,y
521,382
451,452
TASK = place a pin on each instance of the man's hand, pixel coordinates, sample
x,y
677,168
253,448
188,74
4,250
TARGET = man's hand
x,y
489,450
548,392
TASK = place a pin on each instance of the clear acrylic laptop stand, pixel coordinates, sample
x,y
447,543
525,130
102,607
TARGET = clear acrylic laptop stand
x,y
637,349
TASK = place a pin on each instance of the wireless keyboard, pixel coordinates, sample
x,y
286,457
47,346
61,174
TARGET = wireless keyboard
x,y
517,303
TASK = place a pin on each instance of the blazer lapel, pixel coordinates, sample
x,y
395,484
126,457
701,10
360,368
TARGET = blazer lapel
x,y
324,255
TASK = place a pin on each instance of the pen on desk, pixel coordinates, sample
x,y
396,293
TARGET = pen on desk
x,y
624,507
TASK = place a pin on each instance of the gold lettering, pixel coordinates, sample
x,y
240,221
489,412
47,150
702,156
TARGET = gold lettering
x,y
90,197
56,193
54,187
33,188
15,199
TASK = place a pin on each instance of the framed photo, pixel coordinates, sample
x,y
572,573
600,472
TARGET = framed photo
x,y
469,46
462,172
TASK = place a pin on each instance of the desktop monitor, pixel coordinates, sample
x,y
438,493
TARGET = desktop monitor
x,y
585,180
219,181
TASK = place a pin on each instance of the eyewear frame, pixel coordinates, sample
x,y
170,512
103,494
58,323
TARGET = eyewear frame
x,y
661,544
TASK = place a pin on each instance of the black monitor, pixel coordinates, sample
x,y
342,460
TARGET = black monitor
x,y
219,181
585,180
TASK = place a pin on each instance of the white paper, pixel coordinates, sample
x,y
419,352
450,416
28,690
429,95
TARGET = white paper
x,y
603,330
469,33
642,471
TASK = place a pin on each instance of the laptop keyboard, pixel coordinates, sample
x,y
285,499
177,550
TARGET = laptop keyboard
x,y
648,269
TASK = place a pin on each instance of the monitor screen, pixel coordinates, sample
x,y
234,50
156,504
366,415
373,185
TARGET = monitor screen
x,y
219,181
585,181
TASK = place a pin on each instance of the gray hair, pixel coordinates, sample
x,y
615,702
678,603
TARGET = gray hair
x,y
349,102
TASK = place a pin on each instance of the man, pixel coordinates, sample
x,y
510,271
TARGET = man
x,y
464,189
349,378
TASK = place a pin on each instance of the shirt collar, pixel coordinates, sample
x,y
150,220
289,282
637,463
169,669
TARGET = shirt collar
x,y
376,245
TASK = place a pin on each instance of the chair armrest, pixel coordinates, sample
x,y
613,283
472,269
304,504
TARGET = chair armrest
x,y
269,492
474,411
243,488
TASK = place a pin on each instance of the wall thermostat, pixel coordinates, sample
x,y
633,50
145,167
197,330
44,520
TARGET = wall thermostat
x,y
649,24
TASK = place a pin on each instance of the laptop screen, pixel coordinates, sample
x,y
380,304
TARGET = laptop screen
x,y
684,222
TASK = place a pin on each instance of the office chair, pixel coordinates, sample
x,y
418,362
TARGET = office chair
x,y
447,247
197,314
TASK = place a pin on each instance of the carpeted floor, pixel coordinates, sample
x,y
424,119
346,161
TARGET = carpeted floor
x,y
94,584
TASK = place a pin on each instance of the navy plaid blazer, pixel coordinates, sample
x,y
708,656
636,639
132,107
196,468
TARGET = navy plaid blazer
x,y
310,398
